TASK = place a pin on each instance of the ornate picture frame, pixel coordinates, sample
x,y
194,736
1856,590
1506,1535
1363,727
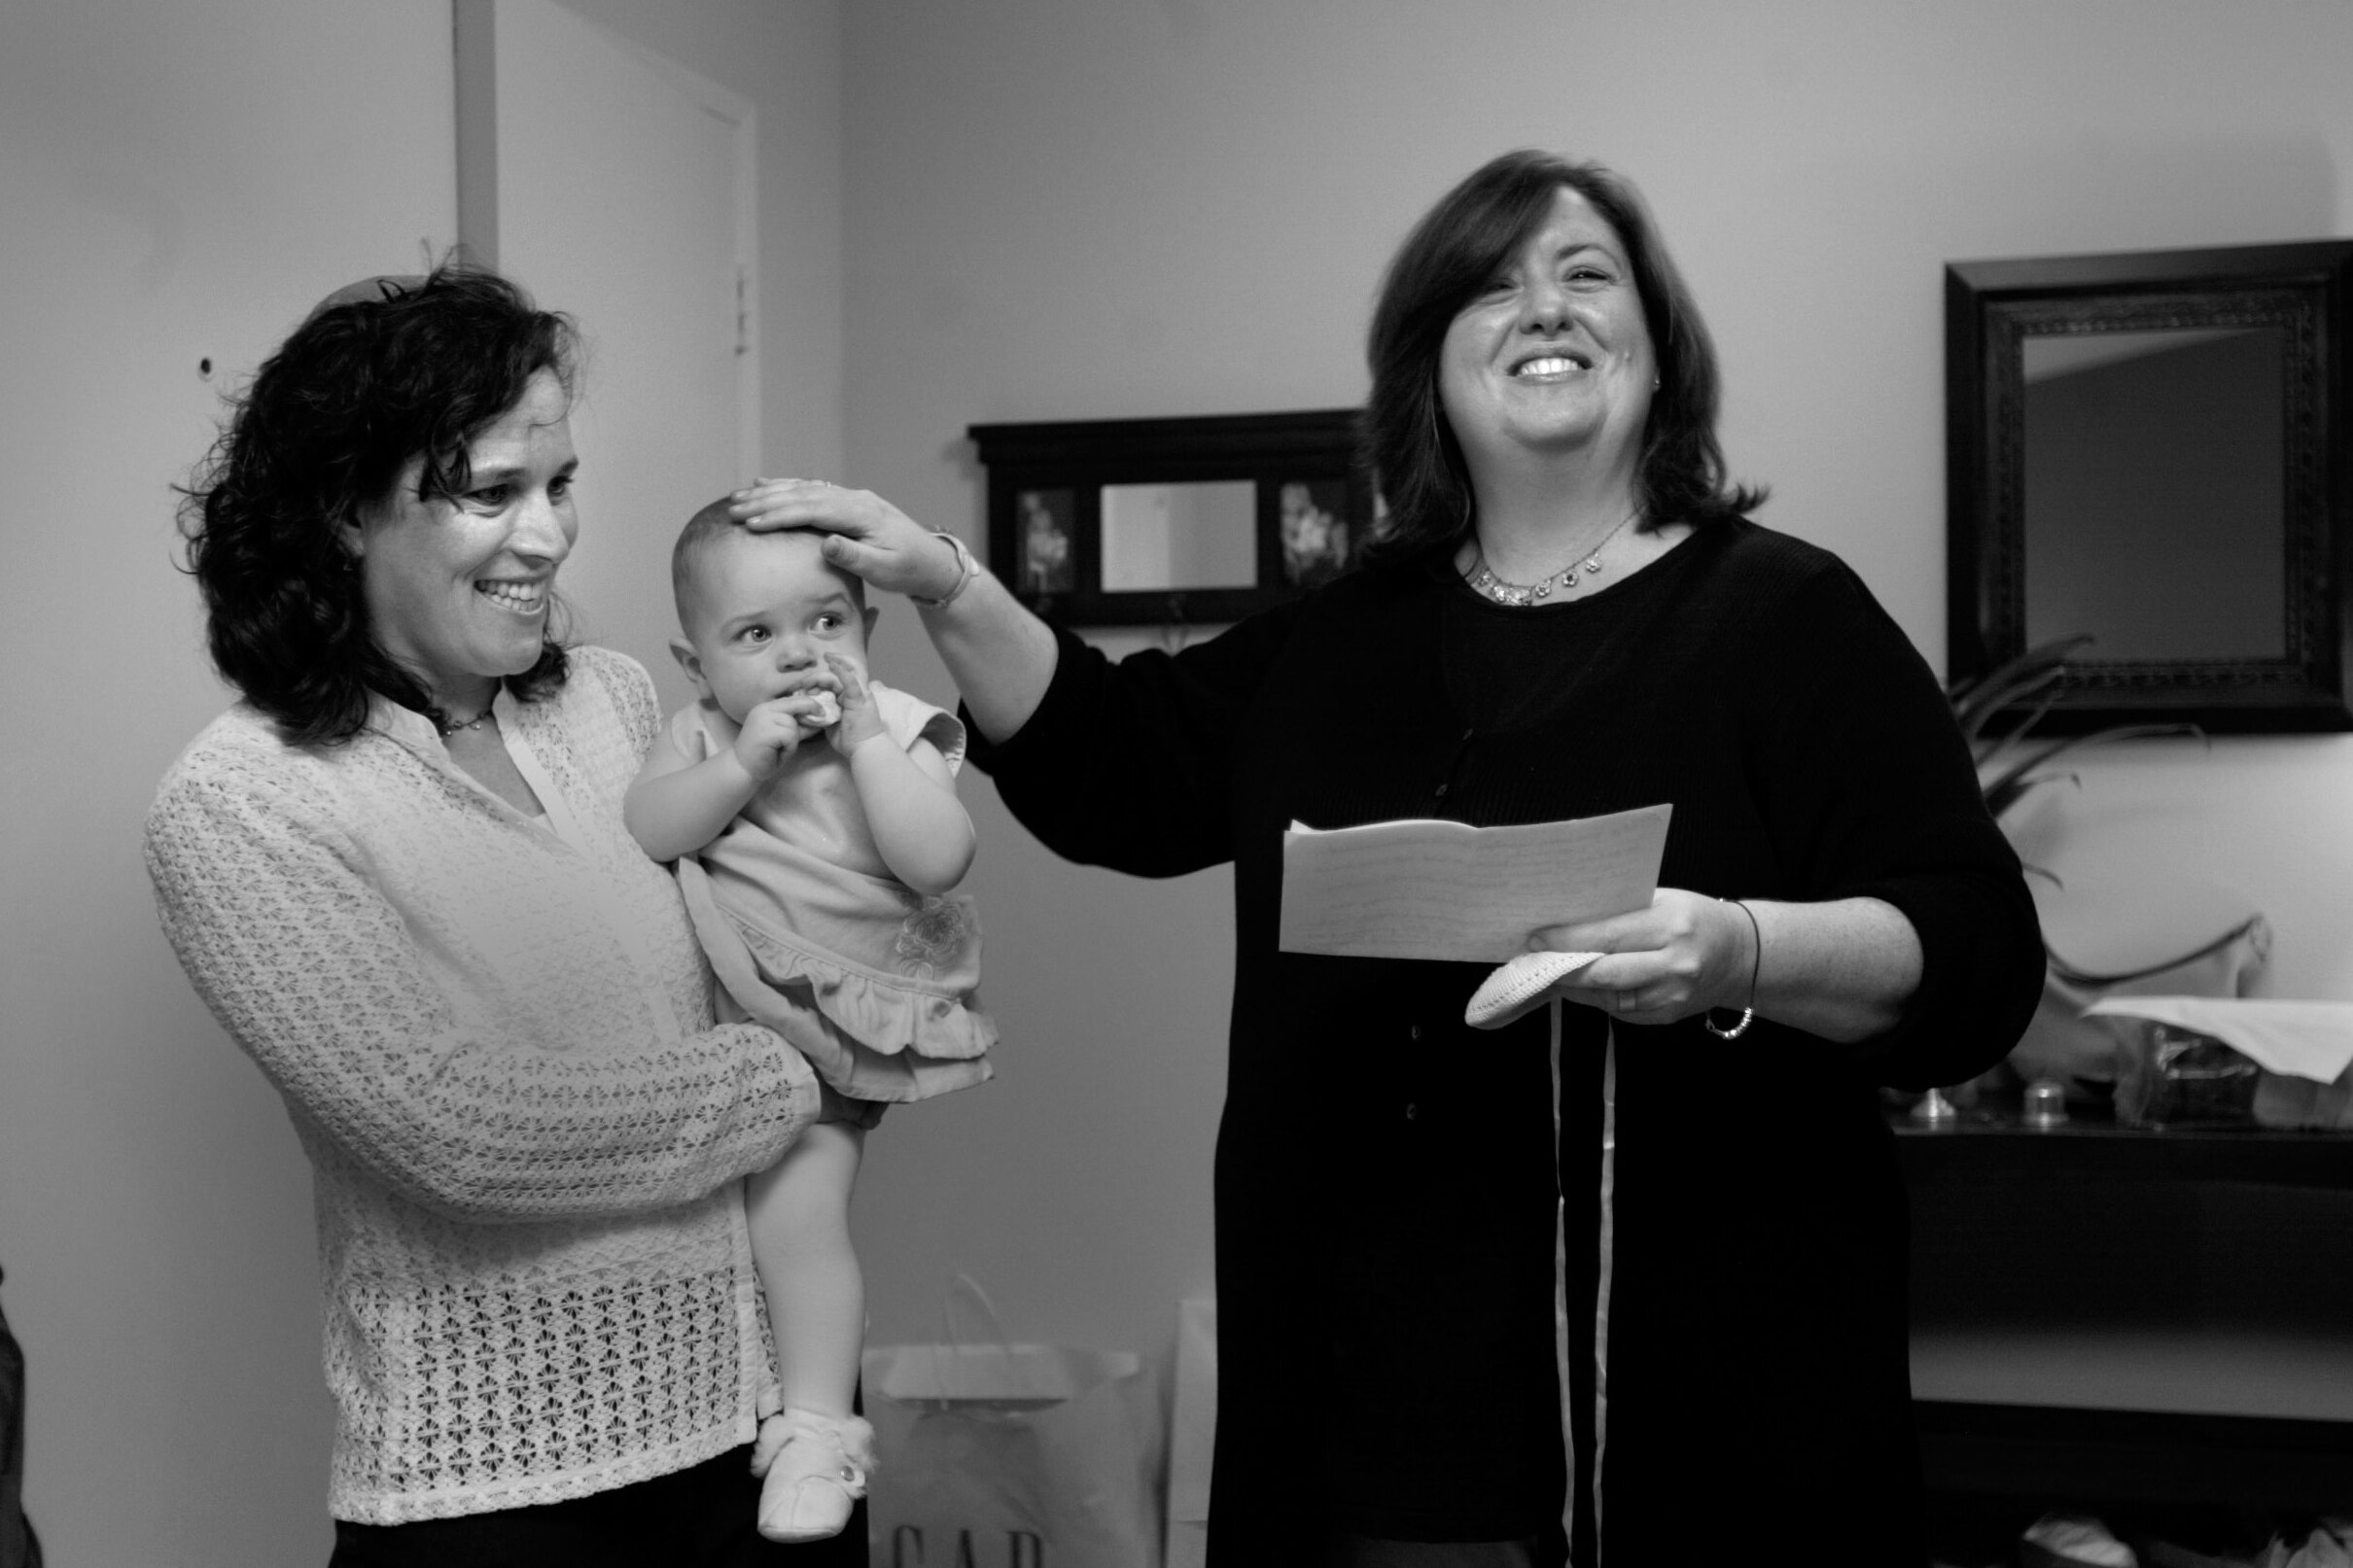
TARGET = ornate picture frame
x,y
2303,293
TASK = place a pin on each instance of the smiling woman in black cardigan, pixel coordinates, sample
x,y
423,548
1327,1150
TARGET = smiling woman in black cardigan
x,y
1624,1280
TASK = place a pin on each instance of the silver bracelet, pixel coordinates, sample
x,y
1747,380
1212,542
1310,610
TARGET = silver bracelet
x,y
966,568
1756,961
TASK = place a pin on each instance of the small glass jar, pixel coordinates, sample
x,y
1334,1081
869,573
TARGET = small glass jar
x,y
1933,1109
2176,1077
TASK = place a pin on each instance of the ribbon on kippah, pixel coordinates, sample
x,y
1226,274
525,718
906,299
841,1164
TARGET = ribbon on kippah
x,y
375,290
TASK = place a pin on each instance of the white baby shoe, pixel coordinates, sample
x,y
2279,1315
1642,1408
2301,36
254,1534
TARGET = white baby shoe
x,y
818,1471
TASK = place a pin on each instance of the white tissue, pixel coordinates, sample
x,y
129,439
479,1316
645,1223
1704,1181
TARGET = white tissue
x,y
829,710
2302,1039
1518,986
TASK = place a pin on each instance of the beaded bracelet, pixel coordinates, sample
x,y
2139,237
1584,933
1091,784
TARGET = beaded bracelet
x,y
966,568
1756,961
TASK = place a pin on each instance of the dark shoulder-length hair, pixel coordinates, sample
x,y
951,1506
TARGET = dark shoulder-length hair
x,y
1449,258
381,373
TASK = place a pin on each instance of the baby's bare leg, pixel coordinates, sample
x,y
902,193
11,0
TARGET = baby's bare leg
x,y
800,1208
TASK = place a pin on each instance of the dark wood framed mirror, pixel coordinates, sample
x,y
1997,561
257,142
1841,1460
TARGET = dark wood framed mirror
x,y
2150,449
1155,522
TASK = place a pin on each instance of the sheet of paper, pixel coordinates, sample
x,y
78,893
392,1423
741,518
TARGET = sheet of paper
x,y
1435,889
2303,1040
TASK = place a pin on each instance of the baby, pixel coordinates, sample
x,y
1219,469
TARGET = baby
x,y
813,816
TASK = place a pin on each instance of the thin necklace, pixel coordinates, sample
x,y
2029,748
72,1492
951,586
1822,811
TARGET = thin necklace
x,y
450,726
1520,595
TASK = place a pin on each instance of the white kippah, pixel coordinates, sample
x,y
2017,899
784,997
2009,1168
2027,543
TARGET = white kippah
x,y
1518,986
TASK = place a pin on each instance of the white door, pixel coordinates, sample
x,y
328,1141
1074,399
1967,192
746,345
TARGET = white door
x,y
617,187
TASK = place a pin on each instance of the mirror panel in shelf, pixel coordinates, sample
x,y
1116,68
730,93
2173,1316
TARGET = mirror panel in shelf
x,y
2150,449
1178,538
1142,522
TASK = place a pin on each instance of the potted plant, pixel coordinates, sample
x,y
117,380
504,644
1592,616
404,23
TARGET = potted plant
x,y
2059,1047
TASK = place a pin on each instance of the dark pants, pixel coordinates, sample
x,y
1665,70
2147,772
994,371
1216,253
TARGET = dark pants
x,y
19,1547
1364,1551
704,1518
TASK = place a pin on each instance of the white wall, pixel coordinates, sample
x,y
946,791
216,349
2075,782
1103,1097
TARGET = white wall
x,y
1097,208
179,183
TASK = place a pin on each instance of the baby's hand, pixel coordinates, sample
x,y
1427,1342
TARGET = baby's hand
x,y
860,718
773,731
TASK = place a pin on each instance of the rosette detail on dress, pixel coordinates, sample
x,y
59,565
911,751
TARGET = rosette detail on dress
x,y
905,997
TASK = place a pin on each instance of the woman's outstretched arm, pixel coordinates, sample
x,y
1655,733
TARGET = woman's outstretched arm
x,y
1000,656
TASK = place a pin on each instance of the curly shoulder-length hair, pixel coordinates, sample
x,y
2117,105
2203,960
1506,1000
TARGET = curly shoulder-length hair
x,y
383,373
1448,260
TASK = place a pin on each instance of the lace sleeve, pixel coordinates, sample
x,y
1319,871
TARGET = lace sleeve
x,y
310,968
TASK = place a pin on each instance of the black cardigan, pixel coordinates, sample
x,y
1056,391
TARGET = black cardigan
x,y
1385,1176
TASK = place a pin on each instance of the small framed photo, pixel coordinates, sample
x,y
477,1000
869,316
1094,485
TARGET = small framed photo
x,y
1046,522
1314,523
1140,522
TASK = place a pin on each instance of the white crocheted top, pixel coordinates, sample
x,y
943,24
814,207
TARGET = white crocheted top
x,y
494,1036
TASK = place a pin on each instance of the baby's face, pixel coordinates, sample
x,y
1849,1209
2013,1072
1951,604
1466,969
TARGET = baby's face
x,y
765,612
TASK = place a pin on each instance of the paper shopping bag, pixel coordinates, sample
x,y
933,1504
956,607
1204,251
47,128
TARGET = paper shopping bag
x,y
997,1455
1192,1432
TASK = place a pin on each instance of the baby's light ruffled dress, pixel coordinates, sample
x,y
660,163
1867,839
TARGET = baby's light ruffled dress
x,y
793,903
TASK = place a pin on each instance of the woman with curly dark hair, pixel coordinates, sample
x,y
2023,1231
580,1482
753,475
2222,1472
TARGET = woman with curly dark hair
x,y
1623,1280
398,874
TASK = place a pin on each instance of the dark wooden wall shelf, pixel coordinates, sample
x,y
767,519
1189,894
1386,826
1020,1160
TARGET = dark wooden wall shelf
x,y
2095,1151
2121,1318
2044,1453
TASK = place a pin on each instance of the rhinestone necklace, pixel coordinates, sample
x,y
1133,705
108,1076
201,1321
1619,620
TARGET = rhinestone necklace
x,y
1520,595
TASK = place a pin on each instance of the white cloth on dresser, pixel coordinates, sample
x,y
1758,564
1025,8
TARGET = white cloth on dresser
x,y
494,1037
794,897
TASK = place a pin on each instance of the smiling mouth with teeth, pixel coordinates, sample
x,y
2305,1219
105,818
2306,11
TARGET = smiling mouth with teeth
x,y
523,597
1551,364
